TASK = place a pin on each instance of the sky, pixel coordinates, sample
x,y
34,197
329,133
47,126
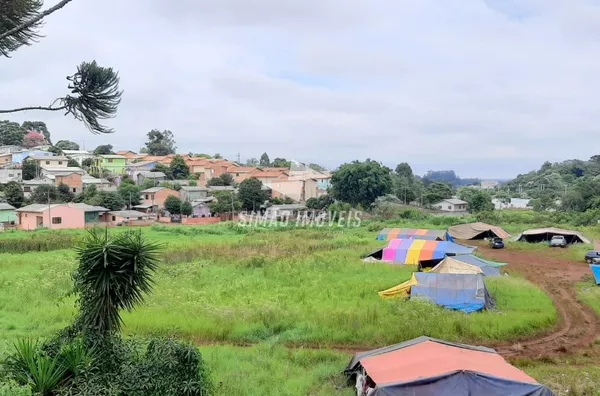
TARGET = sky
x,y
489,88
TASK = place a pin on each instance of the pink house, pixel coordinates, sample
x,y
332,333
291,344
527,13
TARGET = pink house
x,y
59,216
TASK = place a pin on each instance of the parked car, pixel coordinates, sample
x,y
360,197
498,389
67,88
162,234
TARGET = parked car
x,y
558,241
593,256
496,243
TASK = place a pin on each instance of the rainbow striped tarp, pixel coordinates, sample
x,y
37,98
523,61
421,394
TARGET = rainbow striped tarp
x,y
412,251
388,234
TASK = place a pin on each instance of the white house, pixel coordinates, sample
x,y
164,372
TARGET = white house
x,y
78,155
451,205
8,175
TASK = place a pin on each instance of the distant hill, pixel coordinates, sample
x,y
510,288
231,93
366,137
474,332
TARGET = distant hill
x,y
450,177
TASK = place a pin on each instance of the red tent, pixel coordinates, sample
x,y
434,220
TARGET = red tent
x,y
433,367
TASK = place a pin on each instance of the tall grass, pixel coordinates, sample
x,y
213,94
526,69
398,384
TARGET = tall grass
x,y
38,242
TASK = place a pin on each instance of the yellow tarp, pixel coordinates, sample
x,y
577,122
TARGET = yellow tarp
x,y
414,252
401,290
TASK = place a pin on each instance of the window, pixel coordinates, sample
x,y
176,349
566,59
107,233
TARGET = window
x,y
47,162
59,162
147,196
237,174
11,175
26,189
449,207
74,190
114,218
57,220
110,160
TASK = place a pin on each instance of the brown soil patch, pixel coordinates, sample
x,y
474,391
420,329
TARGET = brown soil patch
x,y
577,326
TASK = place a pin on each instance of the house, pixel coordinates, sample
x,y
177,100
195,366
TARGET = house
x,y
241,173
59,161
5,159
67,170
59,216
451,205
78,155
20,156
279,211
121,217
129,155
30,185
101,184
156,197
201,207
512,203
8,216
212,189
298,190
191,193
133,168
156,177
115,164
10,149
8,175
73,180
268,176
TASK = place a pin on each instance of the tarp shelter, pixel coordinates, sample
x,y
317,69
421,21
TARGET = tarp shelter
x,y
463,292
489,268
596,272
545,234
476,231
426,366
413,251
450,265
387,234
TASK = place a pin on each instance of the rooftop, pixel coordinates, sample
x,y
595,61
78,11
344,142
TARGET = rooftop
x,y
153,189
152,175
43,207
128,213
194,188
112,156
454,201
5,206
141,163
48,157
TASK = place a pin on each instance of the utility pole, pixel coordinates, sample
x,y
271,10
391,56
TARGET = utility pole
x,y
49,214
129,200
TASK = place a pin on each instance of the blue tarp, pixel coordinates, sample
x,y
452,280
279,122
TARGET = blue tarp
x,y
463,383
487,269
596,272
461,292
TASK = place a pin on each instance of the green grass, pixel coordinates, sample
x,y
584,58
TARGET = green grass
x,y
589,293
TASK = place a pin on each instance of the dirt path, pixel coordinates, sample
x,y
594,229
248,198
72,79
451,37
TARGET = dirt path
x,y
578,325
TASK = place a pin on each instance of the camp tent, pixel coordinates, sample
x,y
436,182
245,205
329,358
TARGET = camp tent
x,y
450,265
387,234
462,292
476,231
489,268
426,366
414,251
596,272
545,234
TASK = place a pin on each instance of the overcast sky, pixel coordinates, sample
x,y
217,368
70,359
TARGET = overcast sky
x,y
489,88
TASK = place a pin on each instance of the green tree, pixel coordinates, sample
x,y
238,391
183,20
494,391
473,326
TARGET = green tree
x,y
281,163
186,208
264,160
217,156
201,155
109,200
29,169
251,194
224,202
573,201
55,150
64,193
319,203
224,180
67,145
104,149
361,182
46,193
403,188
316,167
14,194
38,126
481,201
160,143
252,162
87,163
437,191
173,205
179,169
11,133
130,193
73,163
404,170
164,169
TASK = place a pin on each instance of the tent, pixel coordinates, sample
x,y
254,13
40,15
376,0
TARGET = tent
x,y
489,268
463,292
476,231
426,366
467,293
387,234
596,272
413,251
450,265
545,234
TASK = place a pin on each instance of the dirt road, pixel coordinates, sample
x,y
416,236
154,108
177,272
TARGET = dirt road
x,y
578,325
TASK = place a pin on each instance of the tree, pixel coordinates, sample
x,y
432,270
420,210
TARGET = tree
x,y
573,201
201,155
11,133
160,143
67,145
46,193
14,194
217,156
224,180
281,163
319,203
264,160
437,191
33,139
173,205
481,201
104,149
55,150
361,182
316,167
404,170
186,209
164,169
178,168
252,162
38,126
110,200
130,193
73,163
64,193
251,194
29,169
225,202
87,163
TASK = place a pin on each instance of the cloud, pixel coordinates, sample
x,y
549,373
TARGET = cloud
x,y
488,88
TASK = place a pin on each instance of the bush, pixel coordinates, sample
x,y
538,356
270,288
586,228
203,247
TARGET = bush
x,y
41,242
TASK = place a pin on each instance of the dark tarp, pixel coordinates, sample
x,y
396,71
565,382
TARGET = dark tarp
x,y
463,383
546,234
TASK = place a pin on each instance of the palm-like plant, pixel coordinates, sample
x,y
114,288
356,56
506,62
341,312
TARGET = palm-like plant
x,y
115,271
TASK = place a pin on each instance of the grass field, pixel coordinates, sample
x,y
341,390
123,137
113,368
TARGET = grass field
x,y
272,288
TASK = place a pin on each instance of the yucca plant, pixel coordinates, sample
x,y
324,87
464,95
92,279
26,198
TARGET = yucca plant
x,y
115,272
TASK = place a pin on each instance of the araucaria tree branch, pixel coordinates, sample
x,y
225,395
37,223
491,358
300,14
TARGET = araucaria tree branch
x,y
49,108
